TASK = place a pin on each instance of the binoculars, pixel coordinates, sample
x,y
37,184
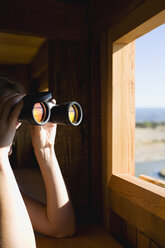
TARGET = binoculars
x,y
38,110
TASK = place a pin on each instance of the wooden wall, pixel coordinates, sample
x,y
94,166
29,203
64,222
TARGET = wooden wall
x,y
69,80
128,235
63,65
114,19
63,68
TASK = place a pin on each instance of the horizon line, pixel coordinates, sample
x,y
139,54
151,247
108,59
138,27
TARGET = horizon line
x,y
156,107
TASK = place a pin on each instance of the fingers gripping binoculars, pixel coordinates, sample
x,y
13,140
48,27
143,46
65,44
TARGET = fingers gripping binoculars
x,y
38,109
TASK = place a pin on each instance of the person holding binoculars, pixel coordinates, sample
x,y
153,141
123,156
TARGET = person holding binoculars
x,y
20,214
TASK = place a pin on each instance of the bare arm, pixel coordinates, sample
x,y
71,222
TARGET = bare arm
x,y
57,217
15,226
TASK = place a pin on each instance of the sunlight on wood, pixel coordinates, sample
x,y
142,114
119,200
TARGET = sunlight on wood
x,y
18,49
153,180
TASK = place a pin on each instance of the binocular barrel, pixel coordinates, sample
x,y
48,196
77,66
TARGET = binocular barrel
x,y
38,112
69,113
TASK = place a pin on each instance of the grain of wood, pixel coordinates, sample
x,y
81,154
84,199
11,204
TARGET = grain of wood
x,y
123,108
153,180
138,218
144,28
125,200
67,82
50,19
142,193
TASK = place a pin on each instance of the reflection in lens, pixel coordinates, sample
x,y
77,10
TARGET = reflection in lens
x,y
73,114
39,112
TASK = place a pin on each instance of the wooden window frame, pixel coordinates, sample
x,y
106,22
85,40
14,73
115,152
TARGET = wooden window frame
x,y
118,128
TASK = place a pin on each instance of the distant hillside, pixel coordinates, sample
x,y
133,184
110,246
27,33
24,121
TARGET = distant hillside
x,y
150,115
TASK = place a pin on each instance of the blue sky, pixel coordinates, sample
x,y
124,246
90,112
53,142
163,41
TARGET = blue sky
x,y
150,69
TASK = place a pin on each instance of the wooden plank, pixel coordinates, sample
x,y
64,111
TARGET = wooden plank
x,y
51,19
106,111
18,49
39,68
123,108
144,194
145,11
122,17
105,14
39,64
43,82
142,241
153,180
91,236
142,29
138,217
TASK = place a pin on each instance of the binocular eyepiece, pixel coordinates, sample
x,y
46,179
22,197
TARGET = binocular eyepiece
x,y
38,110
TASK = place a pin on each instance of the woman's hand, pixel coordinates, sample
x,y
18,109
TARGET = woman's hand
x,y
43,136
10,108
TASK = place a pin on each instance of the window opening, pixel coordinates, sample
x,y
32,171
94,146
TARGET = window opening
x,y
150,104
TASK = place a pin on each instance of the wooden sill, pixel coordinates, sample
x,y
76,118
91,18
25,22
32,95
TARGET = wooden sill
x,y
153,180
91,236
144,194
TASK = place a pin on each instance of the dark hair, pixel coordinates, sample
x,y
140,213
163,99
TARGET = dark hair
x,y
9,85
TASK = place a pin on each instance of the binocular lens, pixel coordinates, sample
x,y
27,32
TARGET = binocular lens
x,y
73,114
39,112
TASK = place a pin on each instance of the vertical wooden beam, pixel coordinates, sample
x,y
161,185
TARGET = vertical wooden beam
x,y
123,108
104,116
106,121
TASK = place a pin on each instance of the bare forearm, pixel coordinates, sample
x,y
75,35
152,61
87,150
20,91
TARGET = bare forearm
x,y
15,227
59,207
